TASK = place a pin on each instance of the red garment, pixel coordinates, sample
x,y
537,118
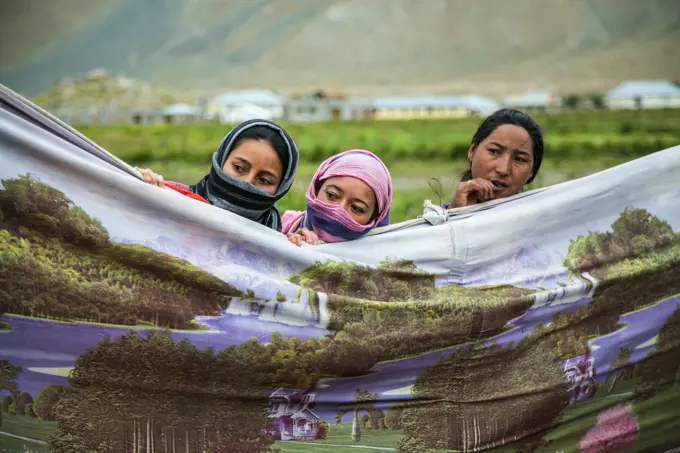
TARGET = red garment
x,y
185,190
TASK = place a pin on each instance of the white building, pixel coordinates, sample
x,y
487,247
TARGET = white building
x,y
432,106
537,100
324,105
237,106
644,94
181,113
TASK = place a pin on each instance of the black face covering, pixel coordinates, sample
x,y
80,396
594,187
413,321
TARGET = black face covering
x,y
240,197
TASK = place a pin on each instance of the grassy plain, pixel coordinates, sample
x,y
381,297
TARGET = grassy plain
x,y
576,144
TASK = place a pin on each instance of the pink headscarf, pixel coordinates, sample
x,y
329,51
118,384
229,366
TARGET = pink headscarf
x,y
332,223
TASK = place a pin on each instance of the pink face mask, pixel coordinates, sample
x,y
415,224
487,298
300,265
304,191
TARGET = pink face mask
x,y
331,222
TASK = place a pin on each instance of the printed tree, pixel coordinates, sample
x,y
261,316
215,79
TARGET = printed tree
x,y
8,376
46,401
568,332
634,233
155,394
5,401
621,367
22,405
393,416
661,367
363,401
483,397
397,280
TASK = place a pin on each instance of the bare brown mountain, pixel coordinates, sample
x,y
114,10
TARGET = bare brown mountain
x,y
363,46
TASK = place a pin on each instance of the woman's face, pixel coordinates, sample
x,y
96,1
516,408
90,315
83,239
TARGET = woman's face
x,y
256,162
505,158
352,194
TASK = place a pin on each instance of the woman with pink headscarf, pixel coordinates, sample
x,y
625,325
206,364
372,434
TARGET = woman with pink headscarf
x,y
350,194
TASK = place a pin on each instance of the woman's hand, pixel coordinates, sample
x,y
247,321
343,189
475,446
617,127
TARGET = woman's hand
x,y
151,177
304,235
473,192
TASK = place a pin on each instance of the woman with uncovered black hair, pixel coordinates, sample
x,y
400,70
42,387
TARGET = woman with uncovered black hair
x,y
505,155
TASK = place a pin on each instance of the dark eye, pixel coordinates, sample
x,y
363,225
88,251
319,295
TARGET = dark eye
x,y
331,196
494,151
358,209
522,160
238,168
265,182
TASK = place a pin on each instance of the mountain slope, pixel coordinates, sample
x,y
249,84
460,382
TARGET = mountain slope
x,y
494,46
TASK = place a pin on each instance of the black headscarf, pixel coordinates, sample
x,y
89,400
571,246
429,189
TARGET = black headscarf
x,y
240,197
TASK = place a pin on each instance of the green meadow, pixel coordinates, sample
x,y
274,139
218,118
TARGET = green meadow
x,y
576,144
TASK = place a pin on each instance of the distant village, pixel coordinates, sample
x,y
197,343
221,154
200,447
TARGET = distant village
x,y
326,105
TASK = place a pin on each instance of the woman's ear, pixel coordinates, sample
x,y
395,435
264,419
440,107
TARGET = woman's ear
x,y
471,152
531,175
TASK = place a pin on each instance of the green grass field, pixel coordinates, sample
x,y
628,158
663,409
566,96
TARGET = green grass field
x,y
23,426
340,435
10,445
576,144
28,427
574,134
308,447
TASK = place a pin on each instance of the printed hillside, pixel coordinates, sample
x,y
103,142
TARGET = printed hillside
x,y
636,265
379,308
57,262
386,46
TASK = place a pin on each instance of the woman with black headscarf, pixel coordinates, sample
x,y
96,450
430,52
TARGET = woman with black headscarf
x,y
252,169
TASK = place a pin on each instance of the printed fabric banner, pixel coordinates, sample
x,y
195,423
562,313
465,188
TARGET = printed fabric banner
x,y
134,319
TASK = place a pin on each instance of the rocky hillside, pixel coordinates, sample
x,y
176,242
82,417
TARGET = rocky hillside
x,y
491,46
